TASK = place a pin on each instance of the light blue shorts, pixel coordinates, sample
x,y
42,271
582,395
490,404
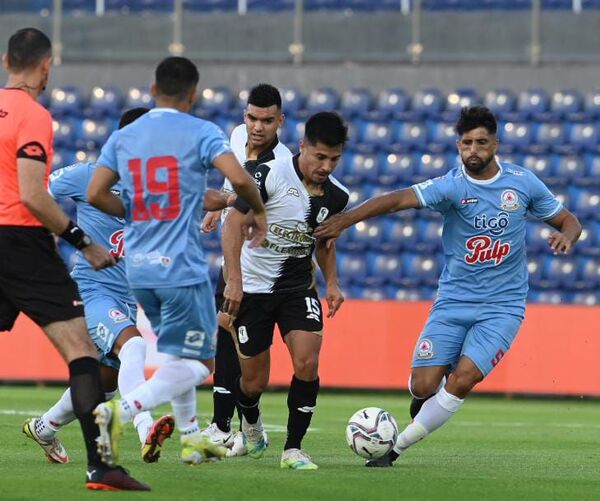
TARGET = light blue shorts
x,y
106,317
481,332
183,318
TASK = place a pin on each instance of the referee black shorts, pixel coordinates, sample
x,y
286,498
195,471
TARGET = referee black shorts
x,y
34,279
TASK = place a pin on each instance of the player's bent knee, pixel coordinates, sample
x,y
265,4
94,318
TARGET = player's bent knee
x,y
306,368
461,383
423,385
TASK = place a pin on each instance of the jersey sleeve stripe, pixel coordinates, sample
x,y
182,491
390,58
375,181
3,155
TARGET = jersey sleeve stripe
x,y
419,195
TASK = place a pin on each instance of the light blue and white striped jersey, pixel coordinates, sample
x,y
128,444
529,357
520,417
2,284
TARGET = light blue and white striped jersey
x,y
484,231
162,160
72,182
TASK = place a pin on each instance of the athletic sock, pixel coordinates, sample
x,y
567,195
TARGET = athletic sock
x,y
184,408
143,422
248,406
301,401
435,412
133,358
227,370
86,394
60,414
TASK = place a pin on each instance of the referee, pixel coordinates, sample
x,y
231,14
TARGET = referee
x,y
33,278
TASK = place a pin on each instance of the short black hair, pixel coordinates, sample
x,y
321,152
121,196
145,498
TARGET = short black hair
x,y
131,116
326,127
472,117
264,95
27,48
176,77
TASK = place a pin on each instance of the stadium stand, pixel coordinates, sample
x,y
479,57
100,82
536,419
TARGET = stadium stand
x,y
396,140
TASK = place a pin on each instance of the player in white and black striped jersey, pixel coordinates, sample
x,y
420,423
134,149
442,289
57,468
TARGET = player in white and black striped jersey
x,y
275,283
254,142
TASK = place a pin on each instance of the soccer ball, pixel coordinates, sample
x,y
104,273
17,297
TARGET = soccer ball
x,y
371,432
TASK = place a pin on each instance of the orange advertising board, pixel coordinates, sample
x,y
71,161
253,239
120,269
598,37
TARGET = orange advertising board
x,y
369,345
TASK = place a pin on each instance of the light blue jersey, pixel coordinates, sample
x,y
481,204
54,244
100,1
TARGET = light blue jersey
x,y
72,182
162,160
484,231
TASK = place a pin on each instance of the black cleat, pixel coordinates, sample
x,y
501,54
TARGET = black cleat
x,y
107,478
382,462
416,404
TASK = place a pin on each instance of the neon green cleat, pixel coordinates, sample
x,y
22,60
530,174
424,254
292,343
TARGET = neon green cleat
x,y
254,438
54,450
297,459
200,449
111,430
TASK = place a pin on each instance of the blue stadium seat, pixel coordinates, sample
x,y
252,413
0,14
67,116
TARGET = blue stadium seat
x,y
294,131
588,272
500,101
227,123
536,236
442,136
352,267
62,157
357,168
66,101
457,100
430,102
549,134
355,102
429,235
409,294
592,169
585,244
396,169
534,268
292,100
584,202
586,298
584,135
382,269
564,196
87,155
591,103
139,97
365,235
378,134
216,100
419,270
323,99
392,101
546,296
214,261
559,271
510,157
533,101
64,132
409,134
566,102
367,293
92,134
398,235
105,101
430,166
569,167
542,165
516,134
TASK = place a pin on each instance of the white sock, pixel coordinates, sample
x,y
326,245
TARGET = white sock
x,y
175,377
184,408
434,413
60,414
133,359
143,422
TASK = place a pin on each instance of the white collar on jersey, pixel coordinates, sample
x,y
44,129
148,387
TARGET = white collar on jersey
x,y
482,181
164,110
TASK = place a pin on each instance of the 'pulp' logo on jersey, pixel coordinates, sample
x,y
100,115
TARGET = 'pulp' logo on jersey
x,y
483,249
322,214
117,316
117,243
194,339
242,334
509,200
494,224
425,349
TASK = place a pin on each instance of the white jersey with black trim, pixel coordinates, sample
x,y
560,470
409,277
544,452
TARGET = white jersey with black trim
x,y
284,261
239,138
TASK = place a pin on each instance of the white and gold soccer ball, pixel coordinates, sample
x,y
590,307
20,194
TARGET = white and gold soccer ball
x,y
371,432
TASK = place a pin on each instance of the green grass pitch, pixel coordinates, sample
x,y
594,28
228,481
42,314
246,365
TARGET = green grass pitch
x,y
493,449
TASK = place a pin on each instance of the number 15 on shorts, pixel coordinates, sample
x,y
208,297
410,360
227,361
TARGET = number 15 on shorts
x,y
313,308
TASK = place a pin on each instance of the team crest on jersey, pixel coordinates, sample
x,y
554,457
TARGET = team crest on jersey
x,y
323,213
117,316
242,334
509,200
425,349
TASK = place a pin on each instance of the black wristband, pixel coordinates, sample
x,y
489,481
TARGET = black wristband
x,y
75,236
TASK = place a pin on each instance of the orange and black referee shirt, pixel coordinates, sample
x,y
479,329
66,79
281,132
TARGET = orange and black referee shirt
x,y
25,132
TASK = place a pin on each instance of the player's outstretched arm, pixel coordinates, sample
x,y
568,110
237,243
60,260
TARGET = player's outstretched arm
x,y
326,259
569,230
232,239
383,204
245,187
99,194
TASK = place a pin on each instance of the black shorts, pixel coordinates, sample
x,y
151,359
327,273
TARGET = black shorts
x,y
298,310
34,279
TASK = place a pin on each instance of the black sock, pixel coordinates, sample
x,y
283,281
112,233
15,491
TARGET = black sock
x,y
86,394
247,405
227,371
302,400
